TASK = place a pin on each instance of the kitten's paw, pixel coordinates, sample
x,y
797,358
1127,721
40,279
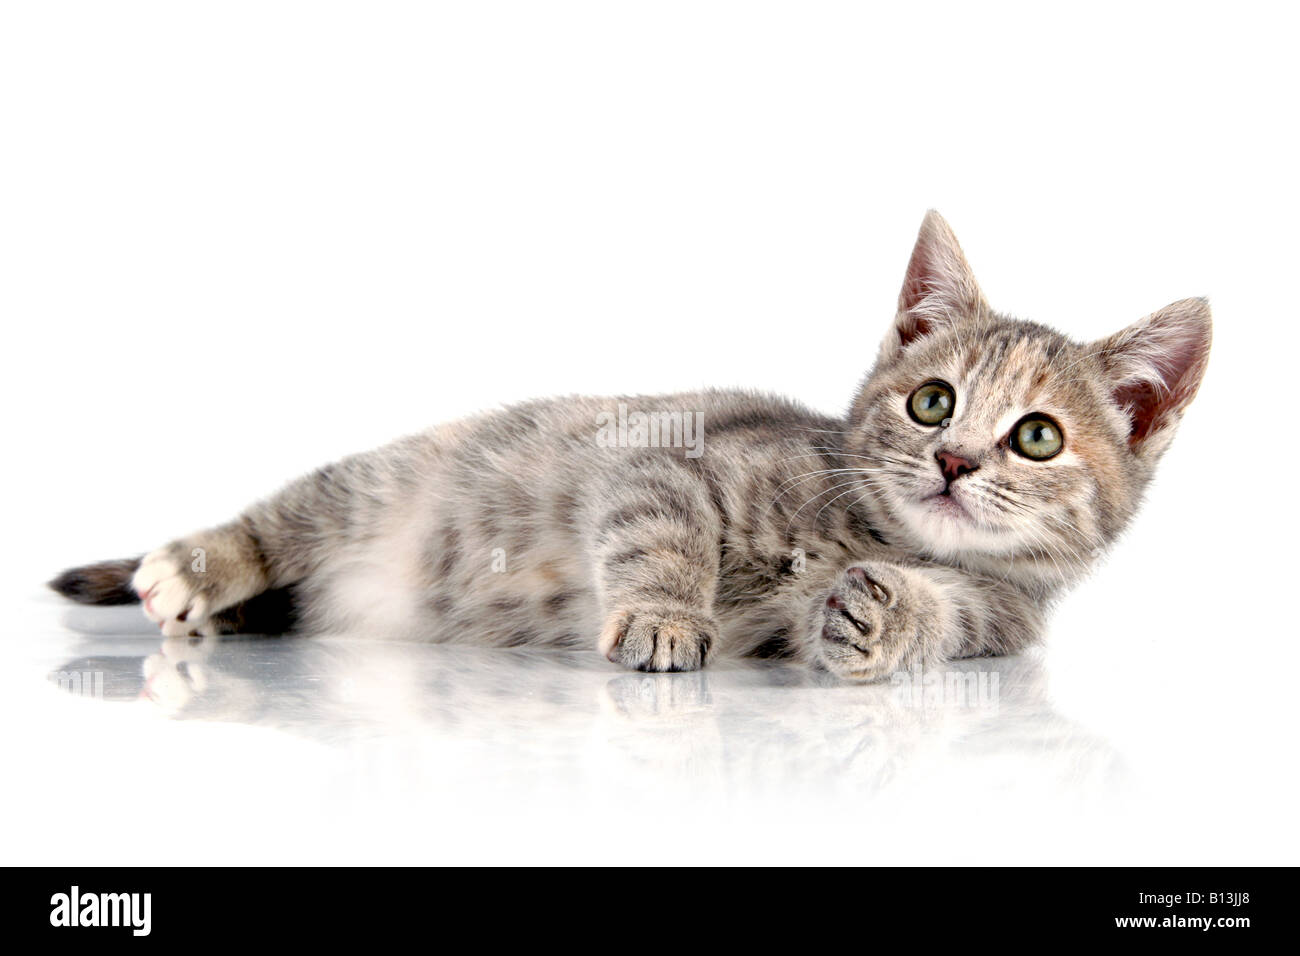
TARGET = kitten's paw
x,y
176,597
659,639
860,629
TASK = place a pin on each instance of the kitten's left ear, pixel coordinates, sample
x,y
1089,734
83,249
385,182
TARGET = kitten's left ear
x,y
1155,367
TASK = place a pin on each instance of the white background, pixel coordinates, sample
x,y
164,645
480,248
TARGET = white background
x,y
238,240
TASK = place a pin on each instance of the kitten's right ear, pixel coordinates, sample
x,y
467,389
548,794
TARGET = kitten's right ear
x,y
939,287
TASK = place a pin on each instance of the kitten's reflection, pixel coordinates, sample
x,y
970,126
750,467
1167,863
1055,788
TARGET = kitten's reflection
x,y
556,717
786,730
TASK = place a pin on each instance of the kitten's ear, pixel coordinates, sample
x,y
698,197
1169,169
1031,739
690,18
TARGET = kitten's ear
x,y
939,287
1155,367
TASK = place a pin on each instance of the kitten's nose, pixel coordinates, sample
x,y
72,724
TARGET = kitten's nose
x,y
954,466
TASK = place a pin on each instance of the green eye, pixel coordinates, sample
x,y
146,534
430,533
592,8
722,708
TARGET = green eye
x,y
932,403
1037,437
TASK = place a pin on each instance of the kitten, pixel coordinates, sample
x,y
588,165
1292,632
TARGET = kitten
x,y
984,464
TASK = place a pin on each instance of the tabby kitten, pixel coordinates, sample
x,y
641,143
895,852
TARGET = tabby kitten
x,y
984,464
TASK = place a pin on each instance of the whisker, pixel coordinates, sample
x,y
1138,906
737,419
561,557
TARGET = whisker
x,y
799,479
824,491
857,485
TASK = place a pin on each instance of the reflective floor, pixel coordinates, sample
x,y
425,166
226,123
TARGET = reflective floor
x,y
126,749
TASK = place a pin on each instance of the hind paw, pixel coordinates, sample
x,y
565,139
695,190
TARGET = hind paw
x,y
175,596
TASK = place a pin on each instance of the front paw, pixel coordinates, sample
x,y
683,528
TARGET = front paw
x,y
659,639
861,629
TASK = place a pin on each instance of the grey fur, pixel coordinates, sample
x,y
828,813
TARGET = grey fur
x,y
792,533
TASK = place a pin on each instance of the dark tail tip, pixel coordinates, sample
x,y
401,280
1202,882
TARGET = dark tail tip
x,y
108,582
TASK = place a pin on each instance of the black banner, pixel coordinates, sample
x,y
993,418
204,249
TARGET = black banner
x,y
1173,906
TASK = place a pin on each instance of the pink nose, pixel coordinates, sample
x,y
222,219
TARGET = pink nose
x,y
954,466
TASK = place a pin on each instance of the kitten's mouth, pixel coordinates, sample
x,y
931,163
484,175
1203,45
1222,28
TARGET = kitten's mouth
x,y
946,503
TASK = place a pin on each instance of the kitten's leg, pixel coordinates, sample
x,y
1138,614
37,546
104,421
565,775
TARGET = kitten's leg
x,y
654,542
274,544
184,583
877,618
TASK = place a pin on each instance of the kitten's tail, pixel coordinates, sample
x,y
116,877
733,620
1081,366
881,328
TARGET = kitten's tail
x,y
108,582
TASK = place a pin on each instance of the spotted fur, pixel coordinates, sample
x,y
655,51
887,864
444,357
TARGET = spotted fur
x,y
836,541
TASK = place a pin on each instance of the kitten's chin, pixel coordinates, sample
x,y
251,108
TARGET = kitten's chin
x,y
945,526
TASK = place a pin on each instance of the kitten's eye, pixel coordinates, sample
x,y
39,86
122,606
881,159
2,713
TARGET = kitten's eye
x,y
932,403
1037,437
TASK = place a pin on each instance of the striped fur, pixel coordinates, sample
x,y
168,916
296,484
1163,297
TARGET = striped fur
x,y
788,532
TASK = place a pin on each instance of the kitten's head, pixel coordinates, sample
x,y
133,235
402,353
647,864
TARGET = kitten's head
x,y
1003,444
